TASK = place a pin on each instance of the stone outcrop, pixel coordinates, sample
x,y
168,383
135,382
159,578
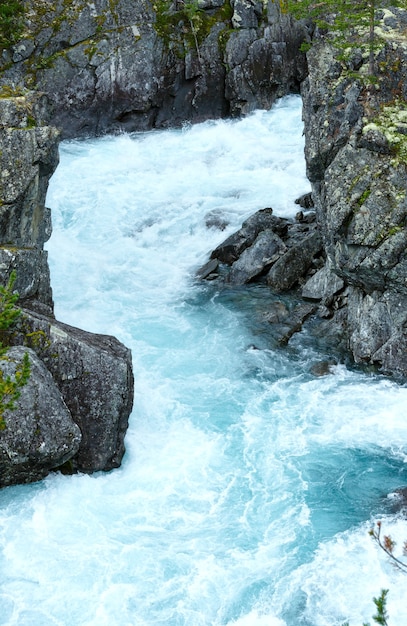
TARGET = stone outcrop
x,y
352,264
279,252
39,434
356,161
124,65
73,411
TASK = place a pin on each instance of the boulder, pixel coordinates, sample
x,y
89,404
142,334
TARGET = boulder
x,y
94,376
294,264
39,434
257,258
230,250
322,285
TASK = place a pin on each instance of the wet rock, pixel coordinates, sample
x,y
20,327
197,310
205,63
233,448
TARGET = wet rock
x,y
277,312
294,264
305,201
216,219
230,250
207,270
292,323
322,285
322,368
39,433
257,258
94,376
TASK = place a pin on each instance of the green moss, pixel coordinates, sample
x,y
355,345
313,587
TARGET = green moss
x,y
365,195
392,123
11,22
10,386
186,27
9,91
37,340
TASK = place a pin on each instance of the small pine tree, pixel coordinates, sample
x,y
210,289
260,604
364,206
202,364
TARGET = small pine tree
x,y
351,21
10,387
381,616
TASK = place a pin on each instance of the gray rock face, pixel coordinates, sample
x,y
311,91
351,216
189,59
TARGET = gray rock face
x,y
28,157
79,395
355,152
266,250
322,285
94,375
133,65
39,433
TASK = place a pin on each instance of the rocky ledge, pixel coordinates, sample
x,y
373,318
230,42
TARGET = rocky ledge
x,y
288,256
72,413
352,261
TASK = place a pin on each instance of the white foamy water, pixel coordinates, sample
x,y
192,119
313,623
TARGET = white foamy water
x,y
248,487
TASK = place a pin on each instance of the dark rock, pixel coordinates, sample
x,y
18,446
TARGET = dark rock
x,y
322,285
229,251
257,258
215,219
293,323
206,270
293,265
94,375
277,312
305,201
322,368
39,433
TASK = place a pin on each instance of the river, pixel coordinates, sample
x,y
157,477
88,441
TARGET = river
x,y
248,486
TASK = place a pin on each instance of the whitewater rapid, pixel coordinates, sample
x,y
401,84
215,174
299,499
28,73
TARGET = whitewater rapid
x,y
248,486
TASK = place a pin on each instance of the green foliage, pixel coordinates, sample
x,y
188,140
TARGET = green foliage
x,y
380,602
10,388
381,616
183,25
350,23
8,311
11,22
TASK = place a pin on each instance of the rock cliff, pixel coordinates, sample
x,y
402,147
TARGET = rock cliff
x,y
73,411
356,154
124,65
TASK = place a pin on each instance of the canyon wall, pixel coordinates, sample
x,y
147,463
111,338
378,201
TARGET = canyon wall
x,y
356,154
73,411
125,65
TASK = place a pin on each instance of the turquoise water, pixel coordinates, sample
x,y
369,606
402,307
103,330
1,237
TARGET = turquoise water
x,y
248,486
